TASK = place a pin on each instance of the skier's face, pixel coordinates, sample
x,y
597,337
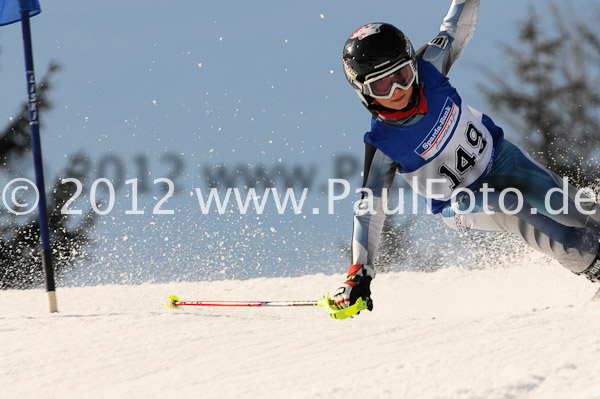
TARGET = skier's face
x,y
399,100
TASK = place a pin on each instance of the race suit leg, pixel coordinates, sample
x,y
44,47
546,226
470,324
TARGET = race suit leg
x,y
537,206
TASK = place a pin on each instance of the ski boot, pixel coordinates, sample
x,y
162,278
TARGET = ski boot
x,y
592,273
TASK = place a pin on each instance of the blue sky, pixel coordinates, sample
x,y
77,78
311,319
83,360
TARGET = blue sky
x,y
220,83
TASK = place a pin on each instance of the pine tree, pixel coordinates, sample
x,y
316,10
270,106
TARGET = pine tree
x,y
549,92
20,262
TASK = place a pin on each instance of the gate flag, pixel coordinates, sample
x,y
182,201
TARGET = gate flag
x,y
10,10
21,10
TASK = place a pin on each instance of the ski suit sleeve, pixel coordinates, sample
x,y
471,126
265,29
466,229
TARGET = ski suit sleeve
x,y
379,174
456,31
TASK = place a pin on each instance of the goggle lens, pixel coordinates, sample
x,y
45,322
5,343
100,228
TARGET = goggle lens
x,y
403,77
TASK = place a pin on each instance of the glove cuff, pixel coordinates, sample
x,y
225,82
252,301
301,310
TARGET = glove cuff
x,y
361,270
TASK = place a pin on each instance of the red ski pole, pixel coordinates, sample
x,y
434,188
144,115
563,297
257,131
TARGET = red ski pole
x,y
324,302
175,302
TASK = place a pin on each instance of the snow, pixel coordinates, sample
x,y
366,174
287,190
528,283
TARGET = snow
x,y
525,331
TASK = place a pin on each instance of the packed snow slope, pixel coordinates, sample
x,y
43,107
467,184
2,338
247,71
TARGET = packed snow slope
x,y
525,331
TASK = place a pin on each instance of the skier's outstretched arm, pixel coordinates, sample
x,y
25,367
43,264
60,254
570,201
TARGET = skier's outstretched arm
x,y
378,176
457,29
368,223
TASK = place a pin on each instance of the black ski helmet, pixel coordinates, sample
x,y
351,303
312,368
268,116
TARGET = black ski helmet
x,y
373,48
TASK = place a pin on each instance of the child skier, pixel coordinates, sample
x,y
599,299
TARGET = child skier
x,y
451,154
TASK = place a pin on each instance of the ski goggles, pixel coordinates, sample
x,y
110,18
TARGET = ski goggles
x,y
401,76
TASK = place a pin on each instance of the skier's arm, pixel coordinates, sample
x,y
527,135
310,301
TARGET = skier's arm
x,y
456,31
379,174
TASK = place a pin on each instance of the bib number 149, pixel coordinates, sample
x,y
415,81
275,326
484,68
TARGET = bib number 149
x,y
464,159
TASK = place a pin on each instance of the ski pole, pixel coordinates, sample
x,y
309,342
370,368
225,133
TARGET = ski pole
x,y
242,303
324,302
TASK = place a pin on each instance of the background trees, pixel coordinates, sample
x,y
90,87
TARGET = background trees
x,y
20,263
549,91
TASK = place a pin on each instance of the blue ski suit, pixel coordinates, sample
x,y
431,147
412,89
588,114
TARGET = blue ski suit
x,y
458,159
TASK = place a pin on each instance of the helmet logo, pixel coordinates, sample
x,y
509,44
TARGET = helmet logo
x,y
348,69
364,31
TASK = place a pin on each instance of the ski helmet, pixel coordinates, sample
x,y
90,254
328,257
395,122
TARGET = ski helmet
x,y
374,51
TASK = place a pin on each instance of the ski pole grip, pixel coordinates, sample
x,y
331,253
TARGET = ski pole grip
x,y
339,314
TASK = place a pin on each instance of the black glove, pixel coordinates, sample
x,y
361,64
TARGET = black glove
x,y
357,285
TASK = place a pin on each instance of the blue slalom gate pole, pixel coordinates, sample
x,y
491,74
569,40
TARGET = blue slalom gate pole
x,y
12,11
37,161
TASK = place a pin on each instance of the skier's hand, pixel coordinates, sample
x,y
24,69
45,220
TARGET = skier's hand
x,y
357,285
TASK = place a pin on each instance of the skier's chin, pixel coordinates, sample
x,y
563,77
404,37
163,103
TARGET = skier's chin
x,y
400,103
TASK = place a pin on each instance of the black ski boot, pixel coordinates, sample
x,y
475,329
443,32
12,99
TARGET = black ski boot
x,y
592,273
